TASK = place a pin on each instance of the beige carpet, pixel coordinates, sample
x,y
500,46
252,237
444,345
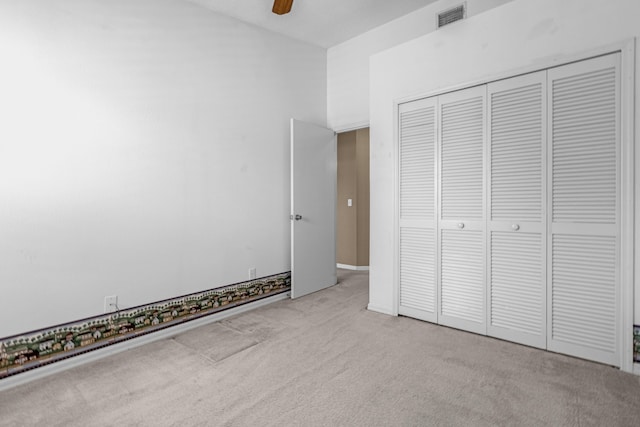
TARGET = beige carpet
x,y
324,360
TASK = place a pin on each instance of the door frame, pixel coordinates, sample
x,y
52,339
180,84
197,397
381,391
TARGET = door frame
x,y
629,192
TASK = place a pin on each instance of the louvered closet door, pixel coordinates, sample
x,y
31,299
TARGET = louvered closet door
x,y
462,225
417,154
516,233
584,178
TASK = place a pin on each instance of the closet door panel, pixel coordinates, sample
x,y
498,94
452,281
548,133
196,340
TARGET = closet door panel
x,y
516,293
462,203
417,272
516,243
585,209
417,169
462,277
462,163
584,291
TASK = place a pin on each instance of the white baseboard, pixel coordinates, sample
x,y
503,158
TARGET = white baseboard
x,y
353,267
72,362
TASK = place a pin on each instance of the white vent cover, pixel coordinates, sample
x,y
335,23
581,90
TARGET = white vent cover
x,y
452,15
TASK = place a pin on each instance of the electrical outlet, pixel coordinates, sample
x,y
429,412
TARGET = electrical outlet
x,y
110,303
252,273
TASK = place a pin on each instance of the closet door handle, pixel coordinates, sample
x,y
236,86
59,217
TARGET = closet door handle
x,y
461,225
515,227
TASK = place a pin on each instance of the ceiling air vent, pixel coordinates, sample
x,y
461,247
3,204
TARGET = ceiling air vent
x,y
452,15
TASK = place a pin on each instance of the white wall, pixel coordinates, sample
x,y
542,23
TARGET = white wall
x,y
348,62
144,152
516,36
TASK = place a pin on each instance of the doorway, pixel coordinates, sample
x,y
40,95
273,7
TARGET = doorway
x,y
352,207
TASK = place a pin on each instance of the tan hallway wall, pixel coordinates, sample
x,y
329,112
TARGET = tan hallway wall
x,y
353,183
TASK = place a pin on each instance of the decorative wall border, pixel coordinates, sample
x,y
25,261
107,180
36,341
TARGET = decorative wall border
x,y
24,352
636,343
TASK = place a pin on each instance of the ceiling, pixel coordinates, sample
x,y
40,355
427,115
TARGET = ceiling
x,y
323,23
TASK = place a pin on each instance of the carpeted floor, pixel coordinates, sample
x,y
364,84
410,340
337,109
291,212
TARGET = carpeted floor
x,y
324,360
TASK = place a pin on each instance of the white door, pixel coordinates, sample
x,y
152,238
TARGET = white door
x,y
584,199
527,209
515,163
313,208
417,194
462,221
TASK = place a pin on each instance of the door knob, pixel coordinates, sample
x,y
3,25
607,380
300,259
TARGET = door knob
x,y
461,225
515,227
296,217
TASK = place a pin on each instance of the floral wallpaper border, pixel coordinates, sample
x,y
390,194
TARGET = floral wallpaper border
x,y
20,353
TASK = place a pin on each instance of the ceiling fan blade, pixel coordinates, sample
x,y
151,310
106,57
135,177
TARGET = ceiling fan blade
x,y
280,7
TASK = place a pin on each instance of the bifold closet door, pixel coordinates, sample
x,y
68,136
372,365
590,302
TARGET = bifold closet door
x,y
516,227
583,271
462,224
417,165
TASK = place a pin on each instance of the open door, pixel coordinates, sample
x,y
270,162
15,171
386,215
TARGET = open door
x,y
313,208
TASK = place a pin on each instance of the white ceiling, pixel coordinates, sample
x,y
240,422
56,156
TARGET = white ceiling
x,y
321,22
